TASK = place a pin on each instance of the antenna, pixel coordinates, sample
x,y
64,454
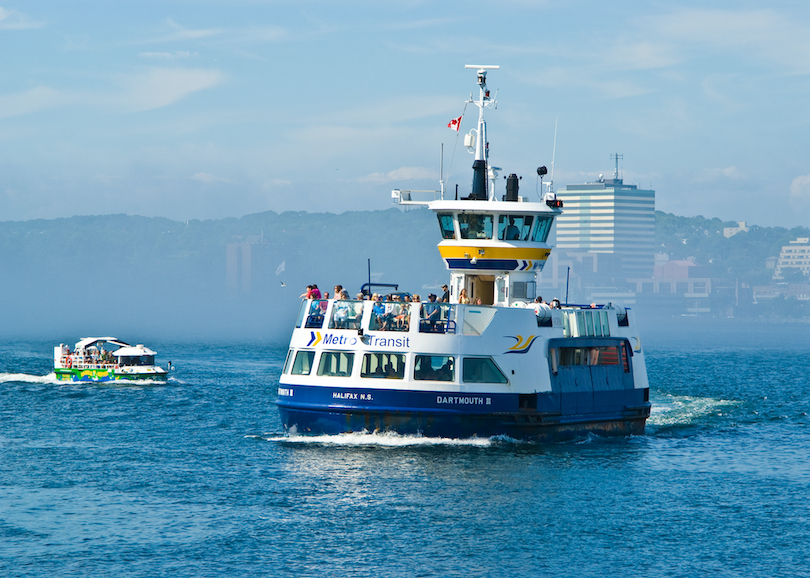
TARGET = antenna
x,y
441,171
616,157
553,155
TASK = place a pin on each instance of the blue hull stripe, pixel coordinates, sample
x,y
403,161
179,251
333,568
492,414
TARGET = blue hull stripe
x,y
309,409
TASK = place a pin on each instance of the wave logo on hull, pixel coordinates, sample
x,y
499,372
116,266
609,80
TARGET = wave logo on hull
x,y
522,345
315,339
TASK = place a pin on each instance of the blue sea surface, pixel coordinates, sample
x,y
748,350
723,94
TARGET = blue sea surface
x,y
195,477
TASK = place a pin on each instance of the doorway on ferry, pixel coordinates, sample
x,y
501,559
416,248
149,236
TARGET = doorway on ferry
x,y
483,287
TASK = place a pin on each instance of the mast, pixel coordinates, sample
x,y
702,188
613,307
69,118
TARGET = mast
x,y
479,185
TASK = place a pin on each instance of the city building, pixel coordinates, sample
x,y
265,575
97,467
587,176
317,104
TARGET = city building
x,y
794,256
731,231
609,217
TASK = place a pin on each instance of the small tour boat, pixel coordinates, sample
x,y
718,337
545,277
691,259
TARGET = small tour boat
x,y
105,359
493,359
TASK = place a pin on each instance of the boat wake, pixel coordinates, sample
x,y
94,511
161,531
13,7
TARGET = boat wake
x,y
386,439
52,379
674,410
27,378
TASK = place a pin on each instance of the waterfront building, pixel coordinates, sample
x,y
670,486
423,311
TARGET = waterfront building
x,y
796,255
609,217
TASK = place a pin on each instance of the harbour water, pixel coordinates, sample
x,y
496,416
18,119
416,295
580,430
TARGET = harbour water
x,y
194,477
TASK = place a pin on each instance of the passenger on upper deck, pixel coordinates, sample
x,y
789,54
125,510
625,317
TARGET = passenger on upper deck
x,y
462,297
446,296
342,311
430,311
539,304
378,310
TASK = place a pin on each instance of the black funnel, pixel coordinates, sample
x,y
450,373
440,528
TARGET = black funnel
x,y
479,185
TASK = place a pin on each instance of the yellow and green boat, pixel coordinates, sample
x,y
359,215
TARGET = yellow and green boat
x,y
106,359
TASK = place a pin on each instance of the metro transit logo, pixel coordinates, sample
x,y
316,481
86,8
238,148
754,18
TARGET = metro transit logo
x,y
315,339
522,345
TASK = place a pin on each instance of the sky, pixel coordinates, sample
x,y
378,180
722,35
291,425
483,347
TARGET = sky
x,y
207,109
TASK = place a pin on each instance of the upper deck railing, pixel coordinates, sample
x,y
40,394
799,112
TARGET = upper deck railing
x,y
444,318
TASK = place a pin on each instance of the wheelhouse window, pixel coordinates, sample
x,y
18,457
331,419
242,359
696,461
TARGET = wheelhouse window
x,y
336,364
134,360
383,366
514,227
303,362
446,225
475,226
481,370
434,368
542,228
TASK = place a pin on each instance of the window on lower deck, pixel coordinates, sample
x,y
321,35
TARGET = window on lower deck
x,y
434,368
383,365
336,364
303,363
601,355
287,361
481,370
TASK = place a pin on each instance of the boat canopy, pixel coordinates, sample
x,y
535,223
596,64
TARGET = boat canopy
x,y
86,342
130,351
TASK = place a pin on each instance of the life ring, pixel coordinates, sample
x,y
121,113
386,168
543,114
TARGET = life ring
x,y
69,362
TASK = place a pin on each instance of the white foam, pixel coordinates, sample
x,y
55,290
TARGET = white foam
x,y
386,439
26,378
684,410
52,379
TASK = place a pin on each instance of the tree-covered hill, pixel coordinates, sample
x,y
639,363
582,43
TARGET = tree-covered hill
x,y
741,256
121,273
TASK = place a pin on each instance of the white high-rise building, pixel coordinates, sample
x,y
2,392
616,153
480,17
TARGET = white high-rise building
x,y
609,216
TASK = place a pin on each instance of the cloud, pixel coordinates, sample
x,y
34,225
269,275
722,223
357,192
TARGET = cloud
x,y
13,20
731,173
780,39
800,191
159,87
168,55
208,178
33,100
181,33
400,174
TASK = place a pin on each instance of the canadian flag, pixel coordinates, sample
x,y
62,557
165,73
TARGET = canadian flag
x,y
455,124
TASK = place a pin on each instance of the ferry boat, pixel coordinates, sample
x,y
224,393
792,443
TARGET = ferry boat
x,y
105,359
492,361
